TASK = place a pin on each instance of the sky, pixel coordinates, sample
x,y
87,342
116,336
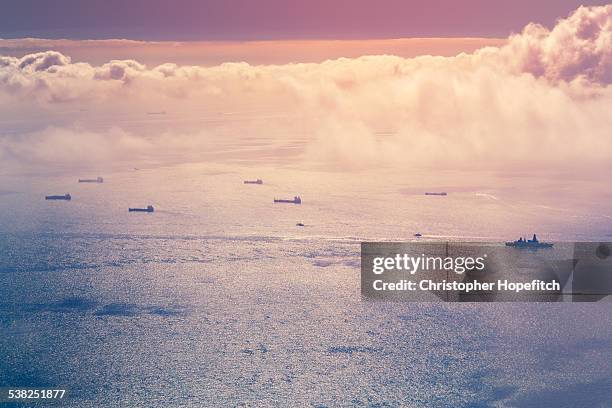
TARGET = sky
x,y
275,19
536,99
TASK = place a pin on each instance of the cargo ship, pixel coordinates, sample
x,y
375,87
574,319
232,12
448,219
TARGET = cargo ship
x,y
296,200
96,180
66,197
258,181
149,209
529,243
443,193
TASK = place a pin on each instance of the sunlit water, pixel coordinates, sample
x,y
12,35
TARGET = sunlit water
x,y
219,299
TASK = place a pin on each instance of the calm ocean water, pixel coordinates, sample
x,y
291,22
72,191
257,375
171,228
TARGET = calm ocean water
x,y
218,299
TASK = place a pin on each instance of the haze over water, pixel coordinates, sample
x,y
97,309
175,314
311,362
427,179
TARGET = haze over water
x,y
219,297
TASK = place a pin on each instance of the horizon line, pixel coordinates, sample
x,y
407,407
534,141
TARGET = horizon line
x,y
302,40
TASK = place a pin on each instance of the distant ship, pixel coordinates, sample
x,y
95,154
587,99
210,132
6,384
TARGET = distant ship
x,y
66,197
296,200
418,235
96,180
529,243
443,193
299,224
149,209
258,181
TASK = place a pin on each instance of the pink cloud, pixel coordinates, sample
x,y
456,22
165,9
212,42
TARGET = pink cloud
x,y
579,46
543,99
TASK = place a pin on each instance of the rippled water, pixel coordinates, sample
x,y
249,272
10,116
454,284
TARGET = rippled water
x,y
218,299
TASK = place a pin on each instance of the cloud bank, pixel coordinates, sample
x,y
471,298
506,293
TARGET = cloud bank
x,y
542,99
210,53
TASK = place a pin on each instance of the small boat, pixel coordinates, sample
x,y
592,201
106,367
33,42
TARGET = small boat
x,y
296,200
65,197
258,181
418,235
149,209
96,180
299,224
529,243
442,193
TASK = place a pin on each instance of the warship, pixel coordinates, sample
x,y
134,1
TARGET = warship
x,y
529,243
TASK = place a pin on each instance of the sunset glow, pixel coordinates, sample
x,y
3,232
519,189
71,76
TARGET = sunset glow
x,y
460,108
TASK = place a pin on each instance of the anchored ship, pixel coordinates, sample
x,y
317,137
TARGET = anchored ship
x,y
258,181
529,243
149,209
65,197
96,180
296,200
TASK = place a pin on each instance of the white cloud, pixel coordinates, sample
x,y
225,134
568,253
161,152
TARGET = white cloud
x,y
42,61
579,46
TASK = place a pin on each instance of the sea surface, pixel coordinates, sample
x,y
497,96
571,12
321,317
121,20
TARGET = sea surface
x,y
219,299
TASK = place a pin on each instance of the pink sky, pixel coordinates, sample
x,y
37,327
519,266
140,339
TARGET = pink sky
x,y
275,19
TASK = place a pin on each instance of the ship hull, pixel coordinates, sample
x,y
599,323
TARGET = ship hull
x,y
59,198
528,245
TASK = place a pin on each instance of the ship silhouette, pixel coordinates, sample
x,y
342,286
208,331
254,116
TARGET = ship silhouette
x,y
96,180
66,197
529,243
148,209
296,200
